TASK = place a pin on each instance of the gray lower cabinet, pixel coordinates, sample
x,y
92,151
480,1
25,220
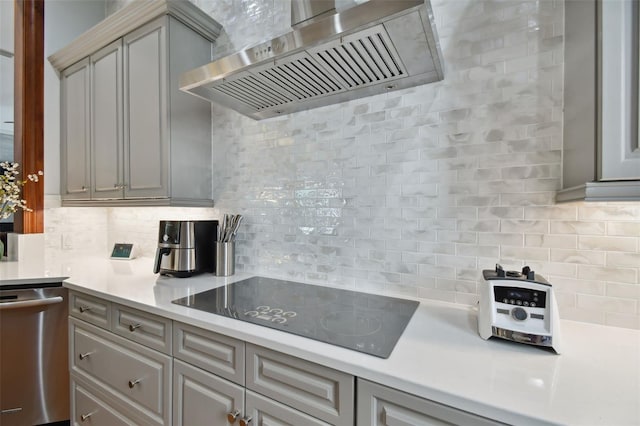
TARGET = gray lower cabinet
x,y
379,405
130,377
249,383
128,134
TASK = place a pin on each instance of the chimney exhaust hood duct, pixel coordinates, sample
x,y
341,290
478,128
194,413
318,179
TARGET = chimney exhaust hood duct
x,y
328,57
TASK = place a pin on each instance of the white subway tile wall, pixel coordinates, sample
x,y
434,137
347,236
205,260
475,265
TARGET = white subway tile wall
x,y
415,192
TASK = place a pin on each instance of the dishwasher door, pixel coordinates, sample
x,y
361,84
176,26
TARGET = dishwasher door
x,y
34,372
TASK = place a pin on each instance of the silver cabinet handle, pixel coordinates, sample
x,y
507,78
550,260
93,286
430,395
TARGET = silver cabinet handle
x,y
30,303
83,189
84,355
231,417
132,327
84,417
132,383
245,421
11,410
84,309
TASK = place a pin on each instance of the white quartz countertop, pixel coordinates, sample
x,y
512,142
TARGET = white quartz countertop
x,y
439,356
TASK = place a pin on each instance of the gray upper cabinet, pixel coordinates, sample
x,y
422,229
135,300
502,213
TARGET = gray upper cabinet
x,y
75,174
129,135
106,120
601,156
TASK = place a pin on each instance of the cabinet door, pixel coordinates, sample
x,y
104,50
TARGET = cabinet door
x,y
201,398
106,119
320,391
75,131
146,144
379,405
619,90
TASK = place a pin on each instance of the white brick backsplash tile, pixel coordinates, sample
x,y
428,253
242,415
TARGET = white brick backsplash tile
x,y
526,253
574,286
437,248
551,241
627,291
456,285
477,250
582,314
606,304
436,271
622,320
527,226
620,275
608,243
631,260
568,212
478,225
370,193
609,212
502,239
625,229
565,301
434,294
585,257
576,227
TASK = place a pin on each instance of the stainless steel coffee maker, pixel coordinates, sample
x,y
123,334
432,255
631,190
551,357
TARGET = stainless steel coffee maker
x,y
185,247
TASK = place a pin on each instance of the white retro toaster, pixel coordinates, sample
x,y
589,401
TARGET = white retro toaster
x,y
518,306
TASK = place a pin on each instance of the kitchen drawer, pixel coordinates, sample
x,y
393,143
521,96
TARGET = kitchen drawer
x,y
379,405
210,351
87,408
265,412
314,389
90,309
136,375
142,327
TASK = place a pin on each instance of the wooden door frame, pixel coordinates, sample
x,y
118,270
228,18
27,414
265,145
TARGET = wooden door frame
x,y
28,142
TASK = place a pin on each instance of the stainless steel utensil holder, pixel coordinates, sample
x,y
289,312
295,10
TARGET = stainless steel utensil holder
x,y
225,258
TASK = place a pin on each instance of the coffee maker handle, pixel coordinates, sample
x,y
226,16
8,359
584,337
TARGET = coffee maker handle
x,y
161,251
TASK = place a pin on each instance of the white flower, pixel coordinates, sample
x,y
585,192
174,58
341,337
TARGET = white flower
x,y
10,189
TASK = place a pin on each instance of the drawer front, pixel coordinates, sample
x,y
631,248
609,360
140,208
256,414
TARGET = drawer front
x,y
267,412
89,409
147,329
313,389
90,309
210,351
137,376
201,398
382,406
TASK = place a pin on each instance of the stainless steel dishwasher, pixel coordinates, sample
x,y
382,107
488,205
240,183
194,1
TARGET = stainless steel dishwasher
x,y
34,372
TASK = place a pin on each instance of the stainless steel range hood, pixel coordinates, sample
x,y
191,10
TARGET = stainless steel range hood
x,y
333,57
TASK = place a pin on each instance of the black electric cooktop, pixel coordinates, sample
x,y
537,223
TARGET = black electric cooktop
x,y
363,322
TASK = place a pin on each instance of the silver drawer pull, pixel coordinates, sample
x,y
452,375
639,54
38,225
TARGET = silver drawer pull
x,y
11,410
231,417
84,355
84,309
132,383
132,327
245,421
84,417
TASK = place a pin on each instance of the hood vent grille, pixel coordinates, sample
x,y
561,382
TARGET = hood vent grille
x,y
334,67
364,50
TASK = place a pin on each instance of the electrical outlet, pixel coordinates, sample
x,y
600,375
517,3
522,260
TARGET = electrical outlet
x,y
67,242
